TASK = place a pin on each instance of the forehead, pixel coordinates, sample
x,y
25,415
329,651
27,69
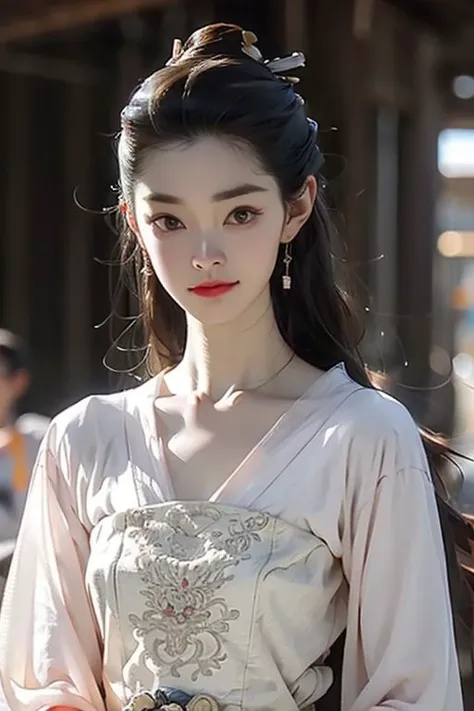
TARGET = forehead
x,y
204,165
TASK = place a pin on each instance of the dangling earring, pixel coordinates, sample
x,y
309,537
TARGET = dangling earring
x,y
287,259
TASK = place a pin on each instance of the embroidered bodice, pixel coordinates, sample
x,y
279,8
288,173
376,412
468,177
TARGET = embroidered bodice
x,y
198,593
329,525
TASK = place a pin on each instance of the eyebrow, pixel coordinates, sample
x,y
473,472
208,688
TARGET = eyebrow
x,y
238,191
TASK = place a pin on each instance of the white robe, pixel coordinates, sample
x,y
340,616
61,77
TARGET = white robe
x,y
329,524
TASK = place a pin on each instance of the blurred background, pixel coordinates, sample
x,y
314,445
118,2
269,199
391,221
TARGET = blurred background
x,y
391,84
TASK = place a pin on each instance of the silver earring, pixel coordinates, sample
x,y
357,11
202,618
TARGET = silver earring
x,y
287,259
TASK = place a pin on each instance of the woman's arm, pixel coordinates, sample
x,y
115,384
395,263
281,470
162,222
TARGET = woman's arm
x,y
400,650
49,648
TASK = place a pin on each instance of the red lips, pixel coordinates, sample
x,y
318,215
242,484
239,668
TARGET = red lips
x,y
212,289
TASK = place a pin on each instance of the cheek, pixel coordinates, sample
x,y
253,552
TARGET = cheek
x,y
259,247
167,254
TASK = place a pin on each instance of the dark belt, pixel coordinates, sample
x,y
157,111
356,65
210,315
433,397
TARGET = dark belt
x,y
168,699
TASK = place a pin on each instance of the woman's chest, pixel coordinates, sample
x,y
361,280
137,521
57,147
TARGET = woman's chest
x,y
186,582
203,446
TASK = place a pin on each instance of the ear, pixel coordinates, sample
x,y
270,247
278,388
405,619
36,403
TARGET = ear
x,y
299,209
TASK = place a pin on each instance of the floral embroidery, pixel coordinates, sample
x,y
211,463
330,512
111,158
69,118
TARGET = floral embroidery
x,y
243,532
184,559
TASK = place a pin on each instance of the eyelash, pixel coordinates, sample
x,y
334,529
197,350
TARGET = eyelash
x,y
156,221
252,211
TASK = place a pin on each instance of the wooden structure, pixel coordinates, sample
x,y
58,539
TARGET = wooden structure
x,y
377,71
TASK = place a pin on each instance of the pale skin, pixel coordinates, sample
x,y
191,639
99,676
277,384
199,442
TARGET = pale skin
x,y
207,211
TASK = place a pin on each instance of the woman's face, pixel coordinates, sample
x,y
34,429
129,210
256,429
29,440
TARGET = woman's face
x,y
211,222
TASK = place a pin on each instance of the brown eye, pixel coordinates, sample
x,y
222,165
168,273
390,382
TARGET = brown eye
x,y
242,216
168,223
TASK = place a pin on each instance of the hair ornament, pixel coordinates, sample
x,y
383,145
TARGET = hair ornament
x,y
249,40
278,66
176,52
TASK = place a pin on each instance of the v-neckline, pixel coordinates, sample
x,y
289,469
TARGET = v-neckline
x,y
159,455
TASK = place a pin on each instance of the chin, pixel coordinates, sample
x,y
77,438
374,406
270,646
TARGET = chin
x,y
224,309
214,316
216,312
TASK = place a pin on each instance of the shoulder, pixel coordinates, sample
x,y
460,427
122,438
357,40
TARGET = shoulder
x,y
359,418
360,412
373,415
96,418
376,437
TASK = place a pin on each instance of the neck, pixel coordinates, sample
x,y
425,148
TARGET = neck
x,y
240,355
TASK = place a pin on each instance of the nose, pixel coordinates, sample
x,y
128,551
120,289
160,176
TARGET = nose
x,y
207,257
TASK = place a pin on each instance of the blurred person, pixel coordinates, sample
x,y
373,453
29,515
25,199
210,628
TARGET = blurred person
x,y
20,437
205,540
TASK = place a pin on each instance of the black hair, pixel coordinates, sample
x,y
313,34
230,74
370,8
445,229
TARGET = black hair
x,y
212,86
216,88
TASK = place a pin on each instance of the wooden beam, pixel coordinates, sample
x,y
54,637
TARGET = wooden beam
x,y
60,18
15,279
50,68
295,25
78,260
419,188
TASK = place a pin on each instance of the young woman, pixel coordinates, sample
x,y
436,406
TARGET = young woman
x,y
201,541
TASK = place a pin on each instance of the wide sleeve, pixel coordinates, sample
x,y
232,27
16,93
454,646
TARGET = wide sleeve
x,y
400,651
49,648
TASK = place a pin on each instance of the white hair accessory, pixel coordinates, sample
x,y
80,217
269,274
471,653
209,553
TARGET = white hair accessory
x,y
249,40
176,52
278,66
